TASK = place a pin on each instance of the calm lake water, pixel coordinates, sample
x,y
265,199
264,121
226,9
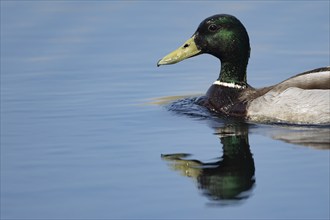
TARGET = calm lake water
x,y
91,128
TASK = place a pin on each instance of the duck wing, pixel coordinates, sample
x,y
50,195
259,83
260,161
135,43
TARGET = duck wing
x,y
313,79
302,99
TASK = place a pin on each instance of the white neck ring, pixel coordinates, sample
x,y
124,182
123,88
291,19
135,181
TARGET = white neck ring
x,y
230,85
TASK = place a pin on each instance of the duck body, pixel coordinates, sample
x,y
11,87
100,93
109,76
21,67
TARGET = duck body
x,y
302,99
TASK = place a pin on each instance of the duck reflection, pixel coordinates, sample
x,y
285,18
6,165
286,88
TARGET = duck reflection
x,y
227,180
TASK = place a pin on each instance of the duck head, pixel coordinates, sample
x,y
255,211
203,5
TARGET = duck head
x,y
222,36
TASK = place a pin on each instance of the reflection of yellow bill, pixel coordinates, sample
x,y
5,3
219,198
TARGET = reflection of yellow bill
x,y
190,168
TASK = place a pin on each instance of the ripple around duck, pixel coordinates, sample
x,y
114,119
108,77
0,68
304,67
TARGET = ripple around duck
x,y
188,106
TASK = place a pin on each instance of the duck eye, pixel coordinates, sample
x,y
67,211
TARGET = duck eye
x,y
212,28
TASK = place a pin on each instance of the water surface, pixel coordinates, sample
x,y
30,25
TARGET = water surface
x,y
91,128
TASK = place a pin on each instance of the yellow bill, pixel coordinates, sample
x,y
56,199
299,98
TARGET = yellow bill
x,y
188,49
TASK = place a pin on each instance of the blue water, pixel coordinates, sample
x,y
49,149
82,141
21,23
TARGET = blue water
x,y
91,128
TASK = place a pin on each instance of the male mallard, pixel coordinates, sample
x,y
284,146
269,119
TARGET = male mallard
x,y
302,99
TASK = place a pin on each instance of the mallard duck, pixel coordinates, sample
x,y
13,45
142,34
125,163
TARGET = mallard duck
x,y
301,99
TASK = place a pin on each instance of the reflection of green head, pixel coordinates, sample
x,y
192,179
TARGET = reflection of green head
x,y
235,173
226,187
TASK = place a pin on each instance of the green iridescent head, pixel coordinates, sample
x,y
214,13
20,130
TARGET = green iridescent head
x,y
222,36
